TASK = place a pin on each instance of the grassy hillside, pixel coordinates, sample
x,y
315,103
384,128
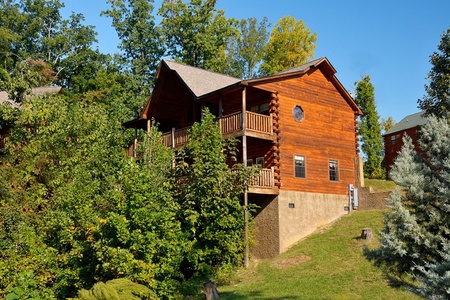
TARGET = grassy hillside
x,y
327,265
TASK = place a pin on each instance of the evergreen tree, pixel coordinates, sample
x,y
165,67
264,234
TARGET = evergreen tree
x,y
437,100
290,45
369,129
416,237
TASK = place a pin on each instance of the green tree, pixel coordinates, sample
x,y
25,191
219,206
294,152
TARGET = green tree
x,y
140,39
291,44
209,196
196,33
75,211
437,100
415,241
369,129
245,51
34,29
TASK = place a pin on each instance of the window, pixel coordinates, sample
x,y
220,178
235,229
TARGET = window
x,y
260,161
249,162
300,166
334,171
393,138
260,109
298,113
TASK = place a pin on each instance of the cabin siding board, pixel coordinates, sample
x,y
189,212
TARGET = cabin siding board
x,y
326,132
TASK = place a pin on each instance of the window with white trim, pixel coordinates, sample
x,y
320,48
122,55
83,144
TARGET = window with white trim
x,y
300,166
334,170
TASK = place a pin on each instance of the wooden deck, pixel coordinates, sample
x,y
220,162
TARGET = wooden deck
x,y
263,183
259,126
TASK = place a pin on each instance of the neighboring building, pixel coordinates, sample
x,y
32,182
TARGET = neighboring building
x,y
393,138
300,125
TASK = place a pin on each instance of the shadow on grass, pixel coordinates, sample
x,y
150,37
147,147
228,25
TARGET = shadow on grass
x,y
393,280
250,295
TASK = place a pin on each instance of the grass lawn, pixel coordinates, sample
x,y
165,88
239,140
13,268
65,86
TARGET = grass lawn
x,y
327,265
380,185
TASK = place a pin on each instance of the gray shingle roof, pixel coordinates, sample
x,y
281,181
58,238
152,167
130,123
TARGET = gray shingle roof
x,y
407,122
200,81
38,91
303,67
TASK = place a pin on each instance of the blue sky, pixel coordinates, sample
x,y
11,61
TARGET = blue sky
x,y
390,40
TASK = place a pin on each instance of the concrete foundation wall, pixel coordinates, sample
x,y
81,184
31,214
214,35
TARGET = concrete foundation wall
x,y
301,213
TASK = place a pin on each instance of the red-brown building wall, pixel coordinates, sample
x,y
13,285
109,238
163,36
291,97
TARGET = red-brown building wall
x,y
393,144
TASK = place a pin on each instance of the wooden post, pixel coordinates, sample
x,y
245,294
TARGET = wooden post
x,y
220,114
173,137
135,143
149,125
244,158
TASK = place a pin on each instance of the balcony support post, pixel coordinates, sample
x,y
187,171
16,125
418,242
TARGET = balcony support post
x,y
244,158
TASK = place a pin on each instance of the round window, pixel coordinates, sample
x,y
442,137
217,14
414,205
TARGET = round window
x,y
298,113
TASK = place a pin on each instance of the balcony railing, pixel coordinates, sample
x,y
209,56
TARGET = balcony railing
x,y
230,124
265,179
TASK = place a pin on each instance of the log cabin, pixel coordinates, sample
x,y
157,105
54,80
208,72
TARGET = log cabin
x,y
299,125
393,138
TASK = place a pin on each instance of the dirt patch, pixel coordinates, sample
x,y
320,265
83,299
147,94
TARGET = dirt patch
x,y
283,263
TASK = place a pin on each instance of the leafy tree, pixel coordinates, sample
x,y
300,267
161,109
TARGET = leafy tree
x,y
415,241
34,29
387,124
437,100
196,33
209,197
369,128
245,52
75,211
140,39
291,44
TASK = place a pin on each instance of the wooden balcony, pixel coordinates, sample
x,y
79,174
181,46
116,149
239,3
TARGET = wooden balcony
x,y
263,183
257,125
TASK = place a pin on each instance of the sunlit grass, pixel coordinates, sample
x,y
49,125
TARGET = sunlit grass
x,y
379,185
327,265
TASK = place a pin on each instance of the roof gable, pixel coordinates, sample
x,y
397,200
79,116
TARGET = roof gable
x,y
200,81
322,64
408,122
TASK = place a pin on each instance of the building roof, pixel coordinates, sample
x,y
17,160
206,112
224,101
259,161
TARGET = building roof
x,y
408,122
38,91
304,67
200,81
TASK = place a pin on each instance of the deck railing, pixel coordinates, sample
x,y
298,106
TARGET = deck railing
x,y
176,138
228,124
265,179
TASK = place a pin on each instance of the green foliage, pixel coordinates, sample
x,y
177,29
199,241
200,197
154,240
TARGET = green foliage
x,y
291,44
209,194
437,100
196,33
245,51
369,129
35,31
387,124
416,236
116,289
140,39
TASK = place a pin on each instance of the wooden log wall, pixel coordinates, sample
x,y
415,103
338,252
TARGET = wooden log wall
x,y
327,132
